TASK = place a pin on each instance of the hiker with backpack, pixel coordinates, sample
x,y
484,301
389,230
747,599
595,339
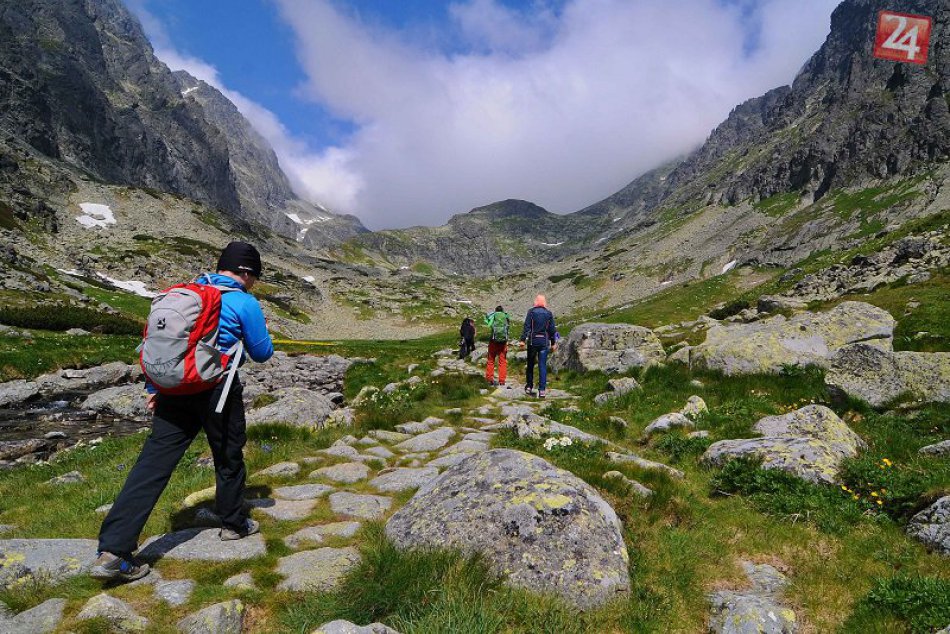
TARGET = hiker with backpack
x,y
498,324
467,336
539,334
194,341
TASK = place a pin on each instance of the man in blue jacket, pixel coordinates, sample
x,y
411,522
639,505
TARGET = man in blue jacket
x,y
540,334
177,421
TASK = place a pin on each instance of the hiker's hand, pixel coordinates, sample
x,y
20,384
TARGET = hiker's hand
x,y
150,402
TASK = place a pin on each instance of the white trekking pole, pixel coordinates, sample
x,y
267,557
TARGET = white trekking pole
x,y
235,362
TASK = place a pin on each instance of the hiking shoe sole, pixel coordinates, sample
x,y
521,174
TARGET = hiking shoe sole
x,y
117,569
250,528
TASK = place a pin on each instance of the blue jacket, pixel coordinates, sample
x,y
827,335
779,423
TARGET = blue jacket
x,y
539,328
241,318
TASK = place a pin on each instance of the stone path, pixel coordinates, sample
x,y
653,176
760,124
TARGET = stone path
x,y
352,482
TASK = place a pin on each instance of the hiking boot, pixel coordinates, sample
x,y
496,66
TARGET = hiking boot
x,y
250,528
529,390
540,393
109,567
495,383
502,383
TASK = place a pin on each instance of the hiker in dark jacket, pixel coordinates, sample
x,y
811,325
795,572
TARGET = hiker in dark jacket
x,y
467,334
539,334
498,324
179,418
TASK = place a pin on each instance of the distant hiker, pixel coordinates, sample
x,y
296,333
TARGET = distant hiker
x,y
192,394
540,334
498,324
467,337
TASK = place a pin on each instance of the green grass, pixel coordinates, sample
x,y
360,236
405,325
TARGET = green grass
x,y
49,351
917,604
62,316
778,205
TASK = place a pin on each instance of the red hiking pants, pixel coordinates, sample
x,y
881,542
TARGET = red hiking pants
x,y
497,349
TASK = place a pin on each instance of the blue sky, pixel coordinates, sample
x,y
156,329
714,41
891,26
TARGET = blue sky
x,y
407,111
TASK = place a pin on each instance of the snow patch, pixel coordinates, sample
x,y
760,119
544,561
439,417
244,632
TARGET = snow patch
x,y
601,240
666,282
309,278
133,286
188,91
553,244
463,301
729,266
617,219
95,215
72,272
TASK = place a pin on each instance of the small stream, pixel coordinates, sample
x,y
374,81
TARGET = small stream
x,y
37,430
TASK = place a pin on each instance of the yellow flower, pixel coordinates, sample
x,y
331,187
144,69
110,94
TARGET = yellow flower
x,y
880,503
856,497
874,494
886,461
844,488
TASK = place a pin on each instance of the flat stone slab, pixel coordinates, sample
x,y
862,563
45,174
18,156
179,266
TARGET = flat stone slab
x,y
480,436
467,446
45,559
413,428
380,452
175,592
348,627
220,618
403,479
341,451
449,460
201,544
316,570
643,463
388,436
316,534
303,491
367,507
429,441
940,450
281,469
41,619
347,473
242,581
284,510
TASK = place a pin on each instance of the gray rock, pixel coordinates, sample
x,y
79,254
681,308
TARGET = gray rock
x,y
55,435
13,449
196,544
810,443
220,618
643,463
279,470
541,526
695,407
380,452
119,614
388,436
46,560
753,611
769,345
105,508
466,446
18,392
413,428
638,489
347,627
6,528
284,510
125,401
619,422
611,348
303,491
175,592
294,406
343,417
429,441
42,619
365,507
347,473
616,389
940,449
403,479
77,332
73,477
776,303
668,422
931,527
879,376
341,451
535,426
242,581
316,570
449,460
316,534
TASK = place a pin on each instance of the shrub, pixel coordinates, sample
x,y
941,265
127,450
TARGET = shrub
x,y
679,447
732,308
882,486
65,316
923,603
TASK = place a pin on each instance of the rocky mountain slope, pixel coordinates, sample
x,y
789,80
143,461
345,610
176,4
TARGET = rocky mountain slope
x,y
80,84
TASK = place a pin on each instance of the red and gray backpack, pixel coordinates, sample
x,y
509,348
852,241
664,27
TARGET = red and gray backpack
x,y
179,353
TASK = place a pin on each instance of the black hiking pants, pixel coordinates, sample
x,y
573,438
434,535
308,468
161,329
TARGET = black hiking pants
x,y
176,423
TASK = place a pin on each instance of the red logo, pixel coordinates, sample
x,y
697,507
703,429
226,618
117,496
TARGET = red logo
x,y
902,37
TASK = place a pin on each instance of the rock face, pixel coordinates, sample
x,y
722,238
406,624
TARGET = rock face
x,y
542,527
878,376
805,339
931,526
611,348
295,406
810,443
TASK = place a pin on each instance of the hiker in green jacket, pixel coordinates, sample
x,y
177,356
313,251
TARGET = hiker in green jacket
x,y
498,324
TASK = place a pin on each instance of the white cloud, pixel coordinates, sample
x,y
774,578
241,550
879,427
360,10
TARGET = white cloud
x,y
560,109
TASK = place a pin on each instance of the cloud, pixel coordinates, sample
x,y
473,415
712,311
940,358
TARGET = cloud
x,y
560,107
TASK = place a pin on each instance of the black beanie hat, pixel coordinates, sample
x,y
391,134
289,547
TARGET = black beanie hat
x,y
240,257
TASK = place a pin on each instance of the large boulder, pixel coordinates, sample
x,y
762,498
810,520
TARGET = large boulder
x,y
931,527
878,376
540,526
767,346
126,401
44,560
295,406
810,443
611,348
